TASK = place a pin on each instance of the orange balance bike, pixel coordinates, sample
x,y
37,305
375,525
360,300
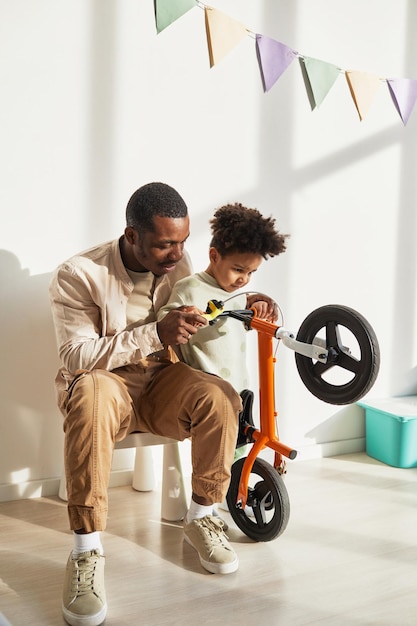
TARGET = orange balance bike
x,y
331,370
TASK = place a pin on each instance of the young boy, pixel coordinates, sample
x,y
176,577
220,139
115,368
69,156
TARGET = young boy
x,y
241,239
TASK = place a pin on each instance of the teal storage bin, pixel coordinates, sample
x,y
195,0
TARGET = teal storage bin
x,y
391,430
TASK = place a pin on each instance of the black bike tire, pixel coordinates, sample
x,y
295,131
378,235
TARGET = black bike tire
x,y
308,370
280,500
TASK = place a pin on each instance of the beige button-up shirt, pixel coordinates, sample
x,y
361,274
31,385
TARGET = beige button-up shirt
x,y
89,295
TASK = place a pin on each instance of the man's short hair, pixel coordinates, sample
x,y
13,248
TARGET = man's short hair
x,y
153,199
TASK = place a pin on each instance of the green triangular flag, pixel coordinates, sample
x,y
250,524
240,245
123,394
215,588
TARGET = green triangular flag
x,y
319,78
167,11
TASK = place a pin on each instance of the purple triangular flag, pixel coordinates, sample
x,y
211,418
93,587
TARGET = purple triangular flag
x,y
404,95
274,58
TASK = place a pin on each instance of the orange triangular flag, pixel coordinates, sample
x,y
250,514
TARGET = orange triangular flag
x,y
223,34
363,88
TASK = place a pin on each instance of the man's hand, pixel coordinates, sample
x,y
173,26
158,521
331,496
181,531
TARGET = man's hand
x,y
266,308
179,325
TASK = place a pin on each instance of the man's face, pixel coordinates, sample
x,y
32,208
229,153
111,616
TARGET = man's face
x,y
158,251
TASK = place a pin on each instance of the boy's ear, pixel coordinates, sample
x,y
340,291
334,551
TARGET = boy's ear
x,y
213,255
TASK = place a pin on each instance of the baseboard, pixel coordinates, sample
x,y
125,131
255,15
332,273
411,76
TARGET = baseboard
x,y
331,448
29,489
307,452
50,486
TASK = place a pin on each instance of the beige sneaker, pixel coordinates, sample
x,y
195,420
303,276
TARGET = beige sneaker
x,y
217,514
84,598
207,536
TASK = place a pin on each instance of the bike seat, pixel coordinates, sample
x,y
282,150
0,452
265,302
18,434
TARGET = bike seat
x,y
245,418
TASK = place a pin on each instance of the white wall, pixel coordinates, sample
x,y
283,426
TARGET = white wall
x,y
95,104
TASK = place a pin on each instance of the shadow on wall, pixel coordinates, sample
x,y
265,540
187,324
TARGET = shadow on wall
x,y
409,384
347,423
30,424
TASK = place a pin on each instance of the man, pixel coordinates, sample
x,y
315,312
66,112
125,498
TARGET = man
x,y
120,375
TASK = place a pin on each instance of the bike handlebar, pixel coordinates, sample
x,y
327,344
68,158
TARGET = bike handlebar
x,y
317,350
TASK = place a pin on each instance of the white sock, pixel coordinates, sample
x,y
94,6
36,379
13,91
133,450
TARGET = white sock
x,y
197,511
86,542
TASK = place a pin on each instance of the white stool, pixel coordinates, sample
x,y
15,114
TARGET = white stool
x,y
173,500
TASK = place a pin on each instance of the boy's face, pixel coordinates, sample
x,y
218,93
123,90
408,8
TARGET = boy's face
x,y
233,271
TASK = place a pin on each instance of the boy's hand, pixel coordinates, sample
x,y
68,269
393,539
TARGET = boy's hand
x,y
190,308
265,307
179,325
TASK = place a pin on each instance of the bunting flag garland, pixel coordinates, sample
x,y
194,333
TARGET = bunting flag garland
x,y
319,78
274,58
363,88
404,95
167,11
224,33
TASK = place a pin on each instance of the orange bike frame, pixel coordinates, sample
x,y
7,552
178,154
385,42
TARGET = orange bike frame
x,y
266,436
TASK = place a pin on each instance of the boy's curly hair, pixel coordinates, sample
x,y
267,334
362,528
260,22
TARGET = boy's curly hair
x,y
236,228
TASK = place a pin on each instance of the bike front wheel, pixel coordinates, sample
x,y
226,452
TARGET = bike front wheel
x,y
268,498
353,354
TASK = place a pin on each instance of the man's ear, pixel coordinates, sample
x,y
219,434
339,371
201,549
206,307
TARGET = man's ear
x,y
131,235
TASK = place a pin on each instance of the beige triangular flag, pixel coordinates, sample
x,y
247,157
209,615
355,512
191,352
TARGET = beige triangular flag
x,y
363,88
223,34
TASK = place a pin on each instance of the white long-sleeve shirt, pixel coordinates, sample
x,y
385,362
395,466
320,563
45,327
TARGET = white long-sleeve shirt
x,y
219,348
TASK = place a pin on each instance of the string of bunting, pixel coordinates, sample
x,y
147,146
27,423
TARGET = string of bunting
x,y
274,57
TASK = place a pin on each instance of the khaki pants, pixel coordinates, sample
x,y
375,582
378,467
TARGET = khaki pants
x,y
173,400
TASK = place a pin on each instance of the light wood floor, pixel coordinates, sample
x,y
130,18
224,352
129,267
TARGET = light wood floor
x,y
347,557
